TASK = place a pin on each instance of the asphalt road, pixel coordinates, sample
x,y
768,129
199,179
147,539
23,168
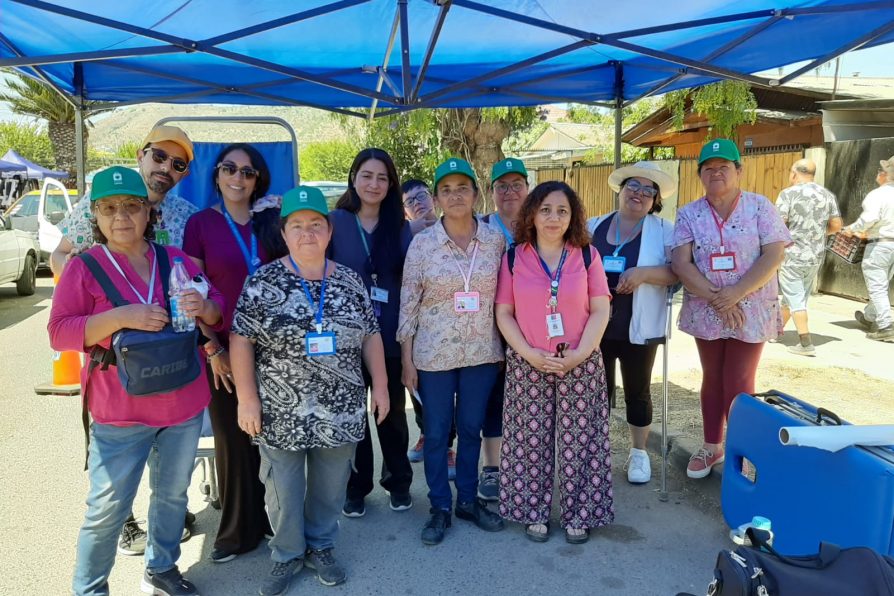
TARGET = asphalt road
x,y
654,548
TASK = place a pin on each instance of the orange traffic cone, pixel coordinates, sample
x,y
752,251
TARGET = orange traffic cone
x,y
66,373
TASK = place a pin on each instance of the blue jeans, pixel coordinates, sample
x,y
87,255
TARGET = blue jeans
x,y
460,394
115,462
305,491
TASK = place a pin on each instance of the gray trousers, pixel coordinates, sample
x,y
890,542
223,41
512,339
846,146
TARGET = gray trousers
x,y
878,268
305,491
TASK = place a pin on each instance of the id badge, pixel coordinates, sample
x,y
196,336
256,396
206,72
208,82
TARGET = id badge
x,y
554,327
466,302
320,344
378,294
723,261
613,264
162,237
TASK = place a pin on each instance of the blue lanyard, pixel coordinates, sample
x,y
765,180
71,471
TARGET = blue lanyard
x,y
251,260
633,232
506,233
318,318
554,279
366,247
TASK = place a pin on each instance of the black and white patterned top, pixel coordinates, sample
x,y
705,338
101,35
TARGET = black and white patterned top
x,y
306,402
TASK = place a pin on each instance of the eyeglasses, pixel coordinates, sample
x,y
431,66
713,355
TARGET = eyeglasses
x,y
231,169
160,156
418,198
635,187
109,208
503,188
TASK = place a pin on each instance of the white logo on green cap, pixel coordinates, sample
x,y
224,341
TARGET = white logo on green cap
x,y
715,147
452,165
302,195
508,164
117,178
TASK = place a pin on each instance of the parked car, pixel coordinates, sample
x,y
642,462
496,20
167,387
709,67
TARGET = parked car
x,y
18,257
40,212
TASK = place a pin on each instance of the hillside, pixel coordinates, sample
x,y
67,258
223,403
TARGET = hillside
x,y
131,124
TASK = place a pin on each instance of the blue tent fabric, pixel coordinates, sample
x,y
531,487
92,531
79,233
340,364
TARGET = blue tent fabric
x,y
10,168
198,188
325,53
33,170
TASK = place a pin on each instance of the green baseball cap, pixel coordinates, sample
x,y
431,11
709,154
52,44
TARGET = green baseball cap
x,y
510,165
303,198
118,180
454,165
719,148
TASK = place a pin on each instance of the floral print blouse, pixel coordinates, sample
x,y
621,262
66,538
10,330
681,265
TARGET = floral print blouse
x,y
444,339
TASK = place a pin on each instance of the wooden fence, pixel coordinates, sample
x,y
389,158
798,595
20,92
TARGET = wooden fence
x,y
764,174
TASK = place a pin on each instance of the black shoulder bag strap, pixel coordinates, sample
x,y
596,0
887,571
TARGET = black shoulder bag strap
x,y
164,269
510,257
588,257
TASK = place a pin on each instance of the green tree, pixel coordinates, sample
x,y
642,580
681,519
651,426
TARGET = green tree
x,y
30,140
726,104
128,149
327,160
604,120
31,97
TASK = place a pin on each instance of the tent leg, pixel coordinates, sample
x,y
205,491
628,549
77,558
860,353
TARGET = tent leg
x,y
80,150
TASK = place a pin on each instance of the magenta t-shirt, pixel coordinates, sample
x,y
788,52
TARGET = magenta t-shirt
x,y
208,238
528,289
77,297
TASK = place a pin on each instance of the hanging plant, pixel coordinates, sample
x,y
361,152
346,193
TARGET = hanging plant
x,y
726,105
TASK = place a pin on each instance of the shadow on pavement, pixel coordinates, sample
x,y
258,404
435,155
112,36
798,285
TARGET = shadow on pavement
x,y
790,338
15,309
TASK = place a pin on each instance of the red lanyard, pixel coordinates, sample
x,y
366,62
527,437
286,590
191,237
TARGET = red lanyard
x,y
720,223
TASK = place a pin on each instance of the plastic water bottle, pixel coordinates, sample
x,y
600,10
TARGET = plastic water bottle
x,y
739,535
180,282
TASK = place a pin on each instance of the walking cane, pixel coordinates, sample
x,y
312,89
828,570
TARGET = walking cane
x,y
669,303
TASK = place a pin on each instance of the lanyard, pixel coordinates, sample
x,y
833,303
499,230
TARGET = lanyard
x,y
366,248
506,233
148,299
618,243
318,317
251,260
467,277
553,279
720,223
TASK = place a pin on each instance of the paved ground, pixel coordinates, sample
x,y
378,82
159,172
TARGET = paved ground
x,y
653,548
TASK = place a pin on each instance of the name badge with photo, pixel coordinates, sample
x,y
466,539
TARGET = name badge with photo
x,y
723,261
320,344
554,327
162,237
613,264
378,294
466,302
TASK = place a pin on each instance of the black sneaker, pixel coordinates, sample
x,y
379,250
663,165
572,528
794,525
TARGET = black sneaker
x,y
478,513
433,531
219,555
401,501
489,484
354,508
329,572
279,578
169,583
132,540
886,334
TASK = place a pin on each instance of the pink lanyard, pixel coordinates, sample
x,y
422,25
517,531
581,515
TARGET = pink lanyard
x,y
720,223
467,278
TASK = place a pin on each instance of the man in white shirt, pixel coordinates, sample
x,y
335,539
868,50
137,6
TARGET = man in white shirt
x,y
877,222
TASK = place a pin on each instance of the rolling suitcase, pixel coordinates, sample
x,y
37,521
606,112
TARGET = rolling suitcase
x,y
809,494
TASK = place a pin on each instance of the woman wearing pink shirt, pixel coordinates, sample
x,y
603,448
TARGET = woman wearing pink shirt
x,y
727,247
127,431
552,307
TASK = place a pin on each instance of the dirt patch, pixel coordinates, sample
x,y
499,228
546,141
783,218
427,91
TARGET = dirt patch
x,y
852,394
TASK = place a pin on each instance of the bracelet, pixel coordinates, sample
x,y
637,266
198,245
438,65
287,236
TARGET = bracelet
x,y
220,350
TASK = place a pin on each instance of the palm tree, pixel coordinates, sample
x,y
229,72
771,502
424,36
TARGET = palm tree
x,y
32,97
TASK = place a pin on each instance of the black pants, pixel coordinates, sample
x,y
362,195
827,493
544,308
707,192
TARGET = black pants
x,y
243,519
394,438
636,374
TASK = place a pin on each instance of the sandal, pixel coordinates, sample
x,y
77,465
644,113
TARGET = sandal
x,y
536,535
577,538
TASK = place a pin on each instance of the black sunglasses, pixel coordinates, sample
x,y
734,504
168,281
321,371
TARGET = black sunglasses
x,y
160,156
230,169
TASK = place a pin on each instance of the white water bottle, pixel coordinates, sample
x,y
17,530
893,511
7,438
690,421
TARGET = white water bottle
x,y
179,283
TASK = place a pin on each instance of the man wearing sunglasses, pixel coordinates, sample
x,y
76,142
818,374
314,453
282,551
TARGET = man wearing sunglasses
x,y
163,161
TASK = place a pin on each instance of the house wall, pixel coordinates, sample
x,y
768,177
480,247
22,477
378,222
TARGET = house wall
x,y
763,135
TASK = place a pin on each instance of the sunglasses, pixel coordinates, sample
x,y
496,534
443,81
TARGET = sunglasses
x,y
648,191
560,349
160,156
230,169
110,208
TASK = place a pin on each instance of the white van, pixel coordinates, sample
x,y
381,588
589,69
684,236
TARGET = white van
x,y
40,213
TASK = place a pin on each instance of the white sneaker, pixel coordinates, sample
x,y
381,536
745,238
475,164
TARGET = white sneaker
x,y
639,470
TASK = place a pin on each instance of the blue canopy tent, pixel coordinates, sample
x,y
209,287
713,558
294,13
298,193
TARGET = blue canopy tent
x,y
8,168
32,169
398,55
